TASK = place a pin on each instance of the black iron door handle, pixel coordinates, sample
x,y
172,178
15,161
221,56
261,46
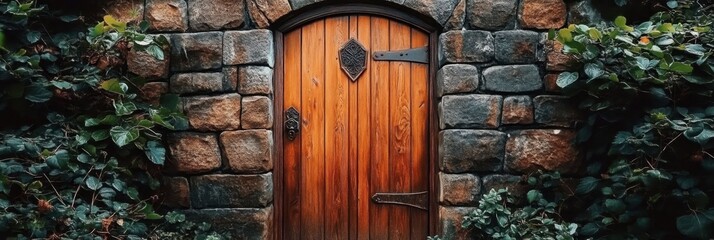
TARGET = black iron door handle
x,y
292,123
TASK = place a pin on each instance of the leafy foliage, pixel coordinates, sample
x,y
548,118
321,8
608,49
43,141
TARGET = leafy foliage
x,y
648,91
79,149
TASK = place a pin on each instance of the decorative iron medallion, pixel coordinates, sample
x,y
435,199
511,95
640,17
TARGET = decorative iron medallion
x,y
353,58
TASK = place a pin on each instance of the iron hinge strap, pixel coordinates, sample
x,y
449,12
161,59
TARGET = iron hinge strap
x,y
419,55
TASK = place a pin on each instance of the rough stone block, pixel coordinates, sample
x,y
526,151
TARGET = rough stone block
x,y
205,15
248,151
222,190
439,10
240,223
550,150
257,113
450,219
471,150
196,51
265,12
301,3
584,12
129,11
176,192
456,21
199,83
517,110
551,83
470,111
555,111
456,78
543,14
193,153
167,15
255,80
491,14
556,60
459,189
230,77
151,92
248,47
516,46
144,65
465,46
512,79
515,184
213,113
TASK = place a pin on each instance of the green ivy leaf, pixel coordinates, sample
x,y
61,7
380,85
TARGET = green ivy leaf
x,y
33,36
100,135
586,185
59,160
123,136
696,225
672,4
155,152
38,94
593,70
156,52
93,183
113,85
124,108
615,205
681,67
565,79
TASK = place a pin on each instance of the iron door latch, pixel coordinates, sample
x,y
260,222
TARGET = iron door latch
x,y
292,123
418,200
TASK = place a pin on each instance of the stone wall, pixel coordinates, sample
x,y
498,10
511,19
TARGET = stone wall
x,y
500,115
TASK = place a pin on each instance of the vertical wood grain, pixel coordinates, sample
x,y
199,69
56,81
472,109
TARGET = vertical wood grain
x,y
291,149
364,130
400,129
313,131
336,131
379,214
420,135
354,145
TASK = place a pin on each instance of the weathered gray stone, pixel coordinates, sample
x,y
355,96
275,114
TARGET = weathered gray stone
x,y
196,51
516,46
459,189
223,190
583,12
167,15
199,83
144,65
470,111
255,80
556,60
265,12
439,10
193,153
257,112
551,83
205,15
515,185
129,11
248,47
248,151
517,110
151,92
230,77
450,219
301,3
543,14
466,46
240,223
491,14
528,151
213,113
456,78
176,192
471,150
512,79
456,21
555,111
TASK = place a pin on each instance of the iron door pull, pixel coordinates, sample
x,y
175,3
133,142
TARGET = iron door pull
x,y
418,200
292,123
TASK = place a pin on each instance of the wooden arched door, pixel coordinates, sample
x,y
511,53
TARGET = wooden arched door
x,y
356,165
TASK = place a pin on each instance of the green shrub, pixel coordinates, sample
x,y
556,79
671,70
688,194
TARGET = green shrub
x,y
79,150
647,89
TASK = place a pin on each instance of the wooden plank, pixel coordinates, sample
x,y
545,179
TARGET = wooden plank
x,y
291,149
400,129
420,135
354,146
336,131
363,133
379,214
313,131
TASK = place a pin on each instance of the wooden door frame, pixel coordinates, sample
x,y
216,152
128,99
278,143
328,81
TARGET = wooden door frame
x,y
389,10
